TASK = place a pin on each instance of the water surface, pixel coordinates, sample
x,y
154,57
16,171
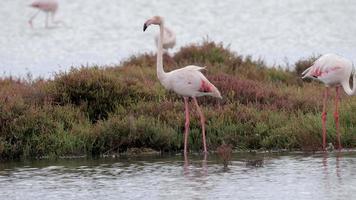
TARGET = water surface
x,y
249,176
106,32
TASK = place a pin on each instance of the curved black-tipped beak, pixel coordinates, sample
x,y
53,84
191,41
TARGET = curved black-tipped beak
x,y
144,26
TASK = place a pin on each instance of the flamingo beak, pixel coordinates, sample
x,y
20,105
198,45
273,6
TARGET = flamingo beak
x,y
147,24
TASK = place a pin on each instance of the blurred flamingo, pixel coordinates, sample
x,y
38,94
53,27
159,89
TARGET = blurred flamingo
x,y
333,71
187,81
47,6
169,39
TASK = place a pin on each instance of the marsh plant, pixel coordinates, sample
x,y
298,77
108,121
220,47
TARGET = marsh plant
x,y
225,153
95,110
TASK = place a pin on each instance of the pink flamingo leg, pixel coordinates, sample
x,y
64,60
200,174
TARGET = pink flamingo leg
x,y
33,17
202,121
52,18
323,117
336,117
56,21
46,23
186,131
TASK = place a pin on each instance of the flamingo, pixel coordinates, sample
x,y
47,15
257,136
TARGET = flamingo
x,y
187,81
169,39
334,71
47,6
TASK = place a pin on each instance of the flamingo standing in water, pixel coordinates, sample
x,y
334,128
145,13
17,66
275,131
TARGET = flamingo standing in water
x,y
169,39
187,81
333,71
47,6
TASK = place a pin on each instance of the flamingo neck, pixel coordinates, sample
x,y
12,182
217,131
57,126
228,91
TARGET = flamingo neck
x,y
347,88
160,72
168,32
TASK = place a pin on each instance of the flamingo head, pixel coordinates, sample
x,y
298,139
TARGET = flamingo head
x,y
156,20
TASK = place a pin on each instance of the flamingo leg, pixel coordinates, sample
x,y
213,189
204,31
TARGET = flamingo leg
x,y
323,117
33,16
186,131
52,17
46,19
336,117
53,20
202,121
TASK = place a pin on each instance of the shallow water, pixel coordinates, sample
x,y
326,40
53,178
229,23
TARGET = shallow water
x,y
105,32
249,176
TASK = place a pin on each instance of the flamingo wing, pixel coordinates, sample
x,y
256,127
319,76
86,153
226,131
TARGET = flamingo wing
x,y
191,68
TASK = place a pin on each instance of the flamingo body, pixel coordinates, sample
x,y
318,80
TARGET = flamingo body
x,y
331,69
45,5
190,82
334,71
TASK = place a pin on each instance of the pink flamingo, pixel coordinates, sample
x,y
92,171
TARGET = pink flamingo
x,y
187,81
169,39
333,71
47,6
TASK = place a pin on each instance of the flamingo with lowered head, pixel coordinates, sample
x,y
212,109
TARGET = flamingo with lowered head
x,y
169,39
333,71
187,81
47,6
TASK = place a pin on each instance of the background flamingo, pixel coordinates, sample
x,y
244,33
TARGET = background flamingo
x,y
47,6
187,81
333,71
168,40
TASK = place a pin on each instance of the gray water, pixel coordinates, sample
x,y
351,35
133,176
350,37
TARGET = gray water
x,y
106,32
249,176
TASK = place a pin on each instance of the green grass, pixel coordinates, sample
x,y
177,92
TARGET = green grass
x,y
96,111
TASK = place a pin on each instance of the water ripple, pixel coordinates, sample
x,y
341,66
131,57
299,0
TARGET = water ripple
x,y
249,176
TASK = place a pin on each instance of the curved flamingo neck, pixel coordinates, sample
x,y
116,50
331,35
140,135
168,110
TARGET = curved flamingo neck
x,y
169,32
160,72
347,88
